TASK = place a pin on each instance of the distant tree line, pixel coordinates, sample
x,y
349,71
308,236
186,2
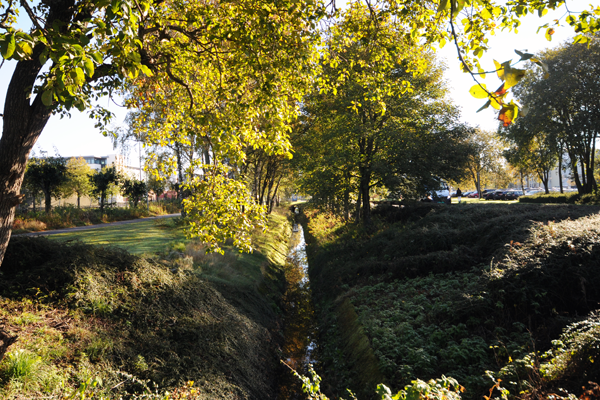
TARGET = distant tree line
x,y
55,177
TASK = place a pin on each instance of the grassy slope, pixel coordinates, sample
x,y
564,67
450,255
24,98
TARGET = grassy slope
x,y
85,311
456,290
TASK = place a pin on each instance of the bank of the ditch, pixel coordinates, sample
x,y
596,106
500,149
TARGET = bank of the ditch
x,y
116,324
459,291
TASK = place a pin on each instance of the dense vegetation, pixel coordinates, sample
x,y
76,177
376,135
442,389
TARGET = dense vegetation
x,y
134,325
68,216
459,291
561,198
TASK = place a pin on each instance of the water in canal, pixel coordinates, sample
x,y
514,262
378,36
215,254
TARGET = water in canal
x,y
299,321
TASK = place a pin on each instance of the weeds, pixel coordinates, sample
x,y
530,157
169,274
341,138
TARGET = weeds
x,y
20,364
464,290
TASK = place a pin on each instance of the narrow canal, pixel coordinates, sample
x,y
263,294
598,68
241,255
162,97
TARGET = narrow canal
x,y
300,334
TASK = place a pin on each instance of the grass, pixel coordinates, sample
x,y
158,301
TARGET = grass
x,y
137,238
469,200
459,291
98,319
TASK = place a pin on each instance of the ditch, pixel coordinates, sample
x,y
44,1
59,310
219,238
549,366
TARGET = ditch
x,y
300,346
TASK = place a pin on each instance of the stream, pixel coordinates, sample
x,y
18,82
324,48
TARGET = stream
x,y
299,319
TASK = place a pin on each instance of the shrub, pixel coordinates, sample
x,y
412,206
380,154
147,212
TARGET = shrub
x,y
555,198
590,198
70,216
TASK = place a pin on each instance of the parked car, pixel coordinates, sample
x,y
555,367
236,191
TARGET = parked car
x,y
500,194
473,195
491,195
513,195
485,192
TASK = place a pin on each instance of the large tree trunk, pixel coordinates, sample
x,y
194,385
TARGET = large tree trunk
x,y
47,201
358,203
365,187
23,124
522,185
560,160
102,201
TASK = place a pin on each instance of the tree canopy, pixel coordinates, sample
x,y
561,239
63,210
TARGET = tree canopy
x,y
564,109
228,75
385,121
48,174
79,173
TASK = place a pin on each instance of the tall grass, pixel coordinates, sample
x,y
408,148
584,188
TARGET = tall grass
x,y
94,312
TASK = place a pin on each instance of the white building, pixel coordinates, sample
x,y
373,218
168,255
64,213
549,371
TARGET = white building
x,y
98,163
119,161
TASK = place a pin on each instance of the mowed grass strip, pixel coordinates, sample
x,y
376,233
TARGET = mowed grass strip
x,y
137,238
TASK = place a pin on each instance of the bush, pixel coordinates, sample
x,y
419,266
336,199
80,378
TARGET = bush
x,y
70,216
554,198
590,198
20,364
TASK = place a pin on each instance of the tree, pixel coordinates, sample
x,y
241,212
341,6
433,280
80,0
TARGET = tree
x,y
157,186
532,150
383,125
91,48
564,108
135,191
103,181
264,173
260,47
48,174
78,172
484,155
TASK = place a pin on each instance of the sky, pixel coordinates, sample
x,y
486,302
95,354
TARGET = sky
x,y
76,136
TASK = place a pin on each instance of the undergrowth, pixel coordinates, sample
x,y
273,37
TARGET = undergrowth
x,y
459,291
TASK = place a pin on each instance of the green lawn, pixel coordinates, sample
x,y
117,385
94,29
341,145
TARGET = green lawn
x,y
477,201
137,238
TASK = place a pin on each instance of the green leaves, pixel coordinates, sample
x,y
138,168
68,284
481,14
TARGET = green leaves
x,y
47,98
510,77
89,67
7,45
524,56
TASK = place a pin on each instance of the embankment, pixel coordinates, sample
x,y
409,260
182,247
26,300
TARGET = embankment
x,y
458,291
134,325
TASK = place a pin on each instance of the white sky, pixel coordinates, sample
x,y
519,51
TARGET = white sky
x,y
78,137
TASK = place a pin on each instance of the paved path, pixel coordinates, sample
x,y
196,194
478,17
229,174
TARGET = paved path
x,y
88,227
